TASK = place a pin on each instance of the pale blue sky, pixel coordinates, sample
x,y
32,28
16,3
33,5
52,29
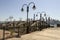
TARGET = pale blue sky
x,y
12,8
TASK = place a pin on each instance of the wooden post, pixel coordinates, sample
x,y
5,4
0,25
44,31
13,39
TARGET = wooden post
x,y
18,32
18,35
4,32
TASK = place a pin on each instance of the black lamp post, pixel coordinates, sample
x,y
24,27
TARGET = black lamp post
x,y
39,20
28,12
44,14
49,21
34,17
44,26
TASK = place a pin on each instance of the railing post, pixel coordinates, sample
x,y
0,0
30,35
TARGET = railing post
x,y
3,32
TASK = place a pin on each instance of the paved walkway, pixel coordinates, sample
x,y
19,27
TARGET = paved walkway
x,y
46,34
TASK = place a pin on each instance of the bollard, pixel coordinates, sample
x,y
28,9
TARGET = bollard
x,y
4,33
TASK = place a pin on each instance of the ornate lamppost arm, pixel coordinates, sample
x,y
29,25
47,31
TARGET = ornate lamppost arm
x,y
33,5
23,6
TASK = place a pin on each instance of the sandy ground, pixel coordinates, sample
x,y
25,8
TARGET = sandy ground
x,y
7,34
46,34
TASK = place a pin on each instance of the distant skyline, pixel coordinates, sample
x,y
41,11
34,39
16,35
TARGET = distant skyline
x,y
13,8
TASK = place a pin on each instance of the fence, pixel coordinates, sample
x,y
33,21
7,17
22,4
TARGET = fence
x,y
21,30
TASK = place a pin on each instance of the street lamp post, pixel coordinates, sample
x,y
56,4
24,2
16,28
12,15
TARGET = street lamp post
x,y
34,17
49,21
28,12
39,20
